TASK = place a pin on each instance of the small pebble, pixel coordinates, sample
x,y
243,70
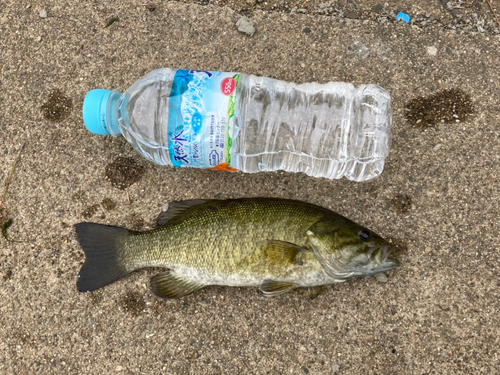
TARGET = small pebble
x,y
165,207
432,51
39,39
381,277
428,250
335,367
118,368
437,147
43,13
245,25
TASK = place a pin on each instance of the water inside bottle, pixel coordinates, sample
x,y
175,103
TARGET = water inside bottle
x,y
330,130
143,115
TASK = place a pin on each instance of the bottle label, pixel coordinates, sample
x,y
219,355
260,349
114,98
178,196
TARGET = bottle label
x,y
201,119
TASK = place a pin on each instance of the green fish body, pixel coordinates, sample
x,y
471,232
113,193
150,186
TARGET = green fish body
x,y
274,244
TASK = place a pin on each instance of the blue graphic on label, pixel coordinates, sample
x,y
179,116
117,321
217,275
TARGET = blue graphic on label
x,y
214,158
197,122
201,107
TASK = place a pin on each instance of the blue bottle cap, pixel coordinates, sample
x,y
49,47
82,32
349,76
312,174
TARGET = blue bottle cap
x,y
95,107
403,16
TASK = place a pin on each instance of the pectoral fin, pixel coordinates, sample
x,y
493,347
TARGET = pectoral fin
x,y
311,291
169,285
314,291
273,288
281,252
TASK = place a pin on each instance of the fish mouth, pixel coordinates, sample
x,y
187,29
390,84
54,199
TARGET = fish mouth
x,y
390,264
379,255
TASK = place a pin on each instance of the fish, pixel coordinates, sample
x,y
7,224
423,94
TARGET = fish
x,y
276,245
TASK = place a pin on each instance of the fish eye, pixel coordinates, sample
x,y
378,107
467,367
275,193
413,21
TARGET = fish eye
x,y
363,235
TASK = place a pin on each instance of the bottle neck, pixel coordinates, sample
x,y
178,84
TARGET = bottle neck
x,y
112,112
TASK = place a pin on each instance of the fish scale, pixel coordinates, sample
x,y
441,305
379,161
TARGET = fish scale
x,y
206,238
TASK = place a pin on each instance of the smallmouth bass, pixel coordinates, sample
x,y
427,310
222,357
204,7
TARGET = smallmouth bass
x,y
274,244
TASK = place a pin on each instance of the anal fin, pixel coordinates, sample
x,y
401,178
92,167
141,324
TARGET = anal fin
x,y
169,285
273,288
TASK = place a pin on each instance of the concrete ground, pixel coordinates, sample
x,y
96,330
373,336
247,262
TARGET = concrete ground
x,y
438,198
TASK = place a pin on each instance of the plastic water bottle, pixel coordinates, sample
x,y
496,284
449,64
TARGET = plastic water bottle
x,y
234,121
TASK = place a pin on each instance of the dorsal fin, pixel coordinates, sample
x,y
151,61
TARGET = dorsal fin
x,y
176,208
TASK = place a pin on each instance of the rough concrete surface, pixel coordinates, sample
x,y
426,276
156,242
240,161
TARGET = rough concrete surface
x,y
438,198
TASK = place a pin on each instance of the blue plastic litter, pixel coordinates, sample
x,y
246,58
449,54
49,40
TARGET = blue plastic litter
x,y
403,16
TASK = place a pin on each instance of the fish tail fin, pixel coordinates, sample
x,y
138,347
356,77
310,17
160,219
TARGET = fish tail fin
x,y
102,248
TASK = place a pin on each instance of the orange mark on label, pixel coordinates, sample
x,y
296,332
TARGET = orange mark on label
x,y
224,167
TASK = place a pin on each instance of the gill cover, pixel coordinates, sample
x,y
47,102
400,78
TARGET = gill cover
x,y
344,254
